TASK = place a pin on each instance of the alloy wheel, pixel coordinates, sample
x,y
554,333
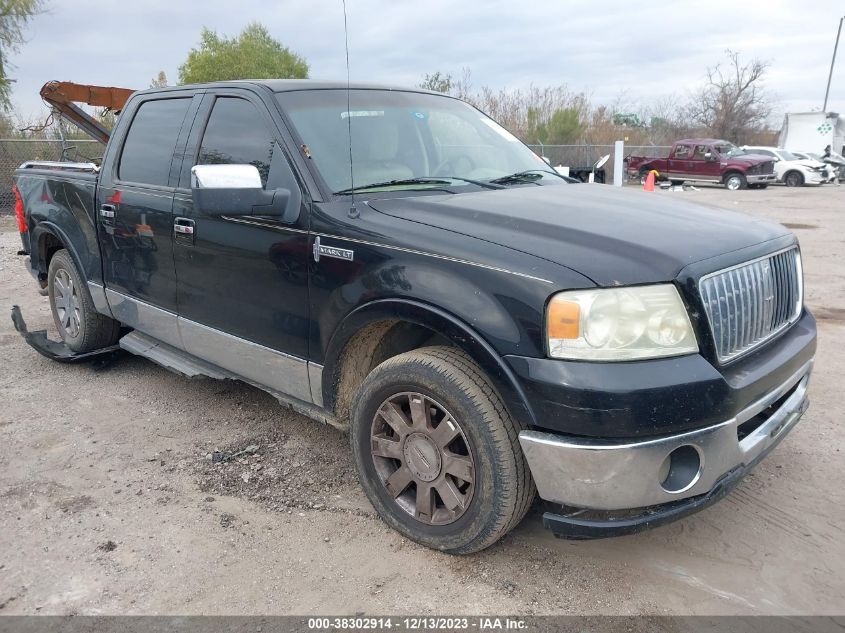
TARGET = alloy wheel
x,y
423,458
66,300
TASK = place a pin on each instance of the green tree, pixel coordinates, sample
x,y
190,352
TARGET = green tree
x,y
14,17
437,82
565,126
253,54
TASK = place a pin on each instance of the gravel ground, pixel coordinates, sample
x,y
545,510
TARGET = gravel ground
x,y
111,499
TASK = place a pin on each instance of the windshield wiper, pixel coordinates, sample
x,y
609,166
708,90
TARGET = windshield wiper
x,y
529,175
420,180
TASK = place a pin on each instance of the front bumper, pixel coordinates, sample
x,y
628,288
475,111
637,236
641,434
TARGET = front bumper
x,y
614,475
756,179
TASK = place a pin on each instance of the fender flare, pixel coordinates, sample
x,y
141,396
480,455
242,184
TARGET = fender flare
x,y
45,227
442,323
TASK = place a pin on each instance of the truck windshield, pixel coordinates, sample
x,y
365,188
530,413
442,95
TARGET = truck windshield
x,y
729,150
401,139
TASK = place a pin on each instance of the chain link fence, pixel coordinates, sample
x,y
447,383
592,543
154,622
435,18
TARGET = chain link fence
x,y
15,151
583,157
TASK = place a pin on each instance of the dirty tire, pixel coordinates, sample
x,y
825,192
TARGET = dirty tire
x,y
503,488
793,179
93,330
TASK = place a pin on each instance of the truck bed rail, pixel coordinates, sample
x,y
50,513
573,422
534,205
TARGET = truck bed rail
x,y
53,164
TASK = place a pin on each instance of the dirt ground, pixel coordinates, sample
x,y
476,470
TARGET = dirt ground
x,y
109,502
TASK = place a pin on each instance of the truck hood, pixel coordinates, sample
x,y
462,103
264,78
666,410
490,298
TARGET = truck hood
x,y
747,159
612,236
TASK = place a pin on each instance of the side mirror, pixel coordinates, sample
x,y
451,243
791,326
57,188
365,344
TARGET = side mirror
x,y
236,190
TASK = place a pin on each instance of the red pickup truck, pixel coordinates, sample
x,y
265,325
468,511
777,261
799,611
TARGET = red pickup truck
x,y
706,160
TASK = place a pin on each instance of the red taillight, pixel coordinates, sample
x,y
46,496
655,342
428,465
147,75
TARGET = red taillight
x,y
19,212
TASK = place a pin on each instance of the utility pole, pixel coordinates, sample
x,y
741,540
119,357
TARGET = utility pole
x,y
832,61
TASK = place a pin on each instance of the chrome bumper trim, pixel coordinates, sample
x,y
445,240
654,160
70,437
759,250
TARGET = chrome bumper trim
x,y
754,179
603,475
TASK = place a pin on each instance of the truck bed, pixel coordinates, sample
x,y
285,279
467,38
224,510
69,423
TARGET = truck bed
x,y
59,202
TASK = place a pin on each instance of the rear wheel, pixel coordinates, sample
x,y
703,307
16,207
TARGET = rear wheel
x,y
735,181
644,174
793,179
81,327
437,453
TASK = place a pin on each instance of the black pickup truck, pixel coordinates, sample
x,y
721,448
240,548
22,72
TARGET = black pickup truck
x,y
395,263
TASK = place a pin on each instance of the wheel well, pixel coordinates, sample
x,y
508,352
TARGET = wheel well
x,y
793,171
732,172
48,246
371,346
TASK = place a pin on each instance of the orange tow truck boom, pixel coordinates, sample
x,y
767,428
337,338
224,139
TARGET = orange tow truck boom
x,y
62,96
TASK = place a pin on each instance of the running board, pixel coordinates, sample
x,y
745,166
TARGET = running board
x,y
188,365
171,358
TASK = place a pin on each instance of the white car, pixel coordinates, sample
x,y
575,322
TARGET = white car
x,y
789,168
831,168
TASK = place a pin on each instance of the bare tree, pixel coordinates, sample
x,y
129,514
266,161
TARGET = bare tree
x,y
733,103
15,15
160,81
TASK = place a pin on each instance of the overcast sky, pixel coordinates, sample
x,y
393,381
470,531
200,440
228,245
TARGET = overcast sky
x,y
642,49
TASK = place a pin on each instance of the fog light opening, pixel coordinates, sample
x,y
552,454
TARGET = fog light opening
x,y
680,470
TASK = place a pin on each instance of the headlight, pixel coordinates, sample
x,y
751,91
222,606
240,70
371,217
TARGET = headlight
x,y
619,324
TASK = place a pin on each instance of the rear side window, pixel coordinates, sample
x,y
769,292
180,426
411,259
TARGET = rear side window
x,y
681,151
148,149
236,134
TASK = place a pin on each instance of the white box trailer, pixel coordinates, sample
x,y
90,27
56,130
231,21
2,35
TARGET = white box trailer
x,y
812,132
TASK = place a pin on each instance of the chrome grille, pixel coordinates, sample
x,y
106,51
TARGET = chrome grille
x,y
750,303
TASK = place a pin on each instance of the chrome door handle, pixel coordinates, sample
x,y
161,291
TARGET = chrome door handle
x,y
107,211
183,231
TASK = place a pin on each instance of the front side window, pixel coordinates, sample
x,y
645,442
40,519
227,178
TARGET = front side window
x,y
236,134
398,135
148,149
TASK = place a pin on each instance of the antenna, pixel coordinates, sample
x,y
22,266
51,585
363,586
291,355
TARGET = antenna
x,y
353,210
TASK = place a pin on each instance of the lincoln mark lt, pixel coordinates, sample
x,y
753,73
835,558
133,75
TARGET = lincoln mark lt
x,y
396,264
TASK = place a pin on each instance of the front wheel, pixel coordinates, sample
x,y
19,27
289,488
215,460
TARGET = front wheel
x,y
735,182
437,453
794,179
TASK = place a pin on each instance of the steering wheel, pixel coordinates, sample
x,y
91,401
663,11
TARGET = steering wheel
x,y
453,163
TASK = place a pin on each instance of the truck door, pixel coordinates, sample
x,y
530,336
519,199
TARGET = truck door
x,y
705,163
134,206
678,162
242,281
